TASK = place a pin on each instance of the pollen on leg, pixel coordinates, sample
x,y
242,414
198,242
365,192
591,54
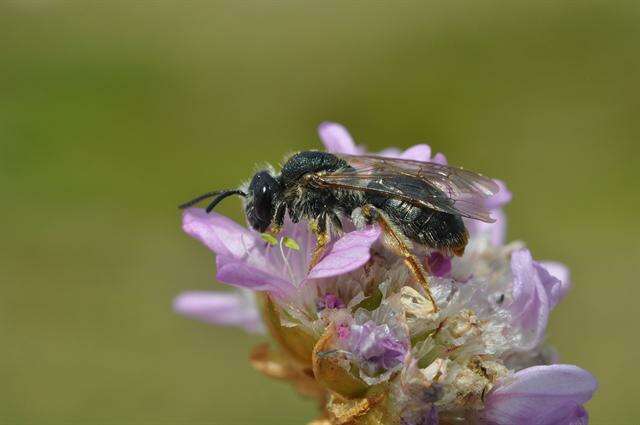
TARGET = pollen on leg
x,y
319,228
394,239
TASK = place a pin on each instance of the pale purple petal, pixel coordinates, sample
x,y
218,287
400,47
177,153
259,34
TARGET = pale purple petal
x,y
240,273
495,232
439,158
540,395
561,273
530,306
390,153
220,308
336,139
219,233
501,198
420,152
347,254
242,256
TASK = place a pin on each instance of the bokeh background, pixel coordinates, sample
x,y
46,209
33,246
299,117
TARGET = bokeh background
x,y
111,113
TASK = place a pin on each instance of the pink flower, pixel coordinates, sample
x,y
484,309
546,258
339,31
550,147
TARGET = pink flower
x,y
245,260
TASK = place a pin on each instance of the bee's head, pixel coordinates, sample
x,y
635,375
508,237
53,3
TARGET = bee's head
x,y
262,194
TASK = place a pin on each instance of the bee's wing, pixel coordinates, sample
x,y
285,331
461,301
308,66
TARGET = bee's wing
x,y
458,191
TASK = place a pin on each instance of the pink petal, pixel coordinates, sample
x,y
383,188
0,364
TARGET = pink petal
x,y
390,153
530,306
558,290
241,254
336,139
439,158
347,254
541,395
496,232
220,308
242,274
501,198
219,233
420,152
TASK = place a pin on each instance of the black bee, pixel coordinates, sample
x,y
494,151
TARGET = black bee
x,y
412,201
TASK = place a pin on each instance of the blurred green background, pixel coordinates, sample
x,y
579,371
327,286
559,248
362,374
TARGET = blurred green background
x,y
111,113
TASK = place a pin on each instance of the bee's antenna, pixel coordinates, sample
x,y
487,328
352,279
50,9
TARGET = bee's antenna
x,y
223,195
219,196
198,199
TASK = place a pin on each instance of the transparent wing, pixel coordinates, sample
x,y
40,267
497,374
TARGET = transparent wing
x,y
440,187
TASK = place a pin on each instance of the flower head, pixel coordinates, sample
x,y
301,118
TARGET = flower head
x,y
358,332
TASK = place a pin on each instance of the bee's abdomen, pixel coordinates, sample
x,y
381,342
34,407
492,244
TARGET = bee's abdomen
x,y
441,230
428,227
423,225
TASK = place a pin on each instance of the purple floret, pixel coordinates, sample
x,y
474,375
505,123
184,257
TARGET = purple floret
x,y
377,347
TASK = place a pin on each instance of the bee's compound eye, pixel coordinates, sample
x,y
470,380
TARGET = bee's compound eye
x,y
262,192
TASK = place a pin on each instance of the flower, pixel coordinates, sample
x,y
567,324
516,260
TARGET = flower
x,y
357,332
245,260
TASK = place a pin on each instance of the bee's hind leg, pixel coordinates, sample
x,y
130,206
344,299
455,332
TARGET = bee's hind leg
x,y
394,239
319,228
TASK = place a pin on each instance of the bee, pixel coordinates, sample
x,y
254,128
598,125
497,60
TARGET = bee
x,y
412,201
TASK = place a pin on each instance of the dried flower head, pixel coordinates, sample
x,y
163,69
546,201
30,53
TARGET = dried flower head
x,y
356,331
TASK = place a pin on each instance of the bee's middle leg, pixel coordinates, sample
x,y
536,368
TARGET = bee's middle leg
x,y
320,229
398,243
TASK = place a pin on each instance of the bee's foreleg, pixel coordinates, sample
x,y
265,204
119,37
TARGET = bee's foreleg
x,y
395,240
319,228
278,219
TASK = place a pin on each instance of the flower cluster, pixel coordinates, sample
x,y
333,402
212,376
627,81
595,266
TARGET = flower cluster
x,y
356,331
